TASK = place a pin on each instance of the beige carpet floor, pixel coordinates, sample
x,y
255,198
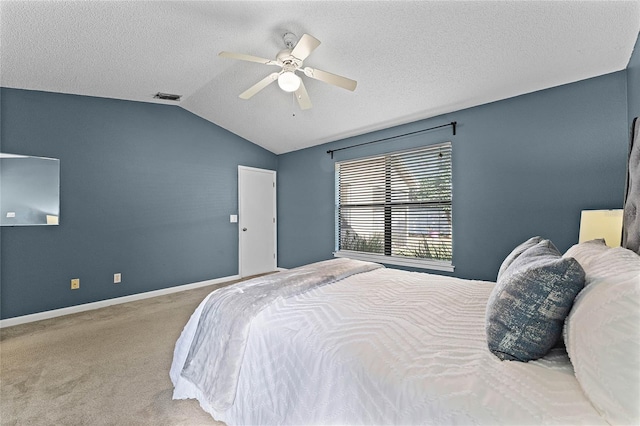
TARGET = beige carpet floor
x,y
108,366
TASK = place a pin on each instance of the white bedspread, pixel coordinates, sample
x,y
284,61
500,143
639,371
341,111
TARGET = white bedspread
x,y
218,334
392,347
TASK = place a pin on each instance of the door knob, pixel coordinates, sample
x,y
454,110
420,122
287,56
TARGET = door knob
x,y
244,229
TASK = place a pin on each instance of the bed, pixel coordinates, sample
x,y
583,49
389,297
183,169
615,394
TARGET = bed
x,y
350,342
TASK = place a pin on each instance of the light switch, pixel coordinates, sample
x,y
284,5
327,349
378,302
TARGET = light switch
x,y
233,218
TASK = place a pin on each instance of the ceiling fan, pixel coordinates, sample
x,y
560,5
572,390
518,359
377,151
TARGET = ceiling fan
x,y
290,60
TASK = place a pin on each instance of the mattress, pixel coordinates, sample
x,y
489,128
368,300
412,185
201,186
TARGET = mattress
x,y
392,347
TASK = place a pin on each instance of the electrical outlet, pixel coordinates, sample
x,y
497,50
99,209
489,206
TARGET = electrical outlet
x,y
75,283
117,278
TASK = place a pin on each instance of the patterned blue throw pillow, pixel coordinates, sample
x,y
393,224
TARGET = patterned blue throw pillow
x,y
528,306
516,252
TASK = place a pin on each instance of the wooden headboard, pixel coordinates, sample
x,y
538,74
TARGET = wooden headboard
x,y
631,218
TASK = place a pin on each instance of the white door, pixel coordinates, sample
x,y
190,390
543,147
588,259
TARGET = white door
x,y
257,220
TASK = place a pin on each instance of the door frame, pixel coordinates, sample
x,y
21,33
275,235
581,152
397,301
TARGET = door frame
x,y
273,173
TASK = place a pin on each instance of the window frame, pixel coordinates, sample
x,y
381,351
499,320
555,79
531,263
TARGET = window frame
x,y
407,261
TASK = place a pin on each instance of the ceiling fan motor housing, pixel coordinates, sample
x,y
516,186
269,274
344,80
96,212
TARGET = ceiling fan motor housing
x,y
289,63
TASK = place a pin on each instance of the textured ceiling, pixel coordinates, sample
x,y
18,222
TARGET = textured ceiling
x,y
412,60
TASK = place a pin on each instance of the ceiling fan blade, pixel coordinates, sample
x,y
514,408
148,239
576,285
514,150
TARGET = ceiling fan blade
x,y
303,97
327,77
249,58
259,86
305,46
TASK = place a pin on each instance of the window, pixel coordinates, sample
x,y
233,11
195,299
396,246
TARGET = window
x,y
396,208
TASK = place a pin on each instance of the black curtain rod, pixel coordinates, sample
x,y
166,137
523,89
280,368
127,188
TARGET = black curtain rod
x,y
452,124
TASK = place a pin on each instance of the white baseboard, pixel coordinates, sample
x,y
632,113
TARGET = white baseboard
x,y
104,303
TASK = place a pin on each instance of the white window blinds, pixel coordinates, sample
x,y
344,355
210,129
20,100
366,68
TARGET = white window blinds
x,y
396,205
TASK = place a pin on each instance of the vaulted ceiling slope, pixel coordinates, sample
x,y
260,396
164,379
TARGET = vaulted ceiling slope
x,y
412,60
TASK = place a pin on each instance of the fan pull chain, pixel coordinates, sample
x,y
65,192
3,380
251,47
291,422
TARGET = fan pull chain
x,y
293,104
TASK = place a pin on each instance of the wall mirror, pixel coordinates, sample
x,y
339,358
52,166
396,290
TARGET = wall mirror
x,y
29,190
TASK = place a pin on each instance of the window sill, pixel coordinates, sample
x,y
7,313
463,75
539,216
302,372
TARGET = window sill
x,y
435,265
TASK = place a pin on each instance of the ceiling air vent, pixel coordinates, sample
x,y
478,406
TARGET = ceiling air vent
x,y
167,97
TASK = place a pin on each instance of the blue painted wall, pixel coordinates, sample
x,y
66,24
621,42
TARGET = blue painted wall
x,y
633,83
521,167
146,190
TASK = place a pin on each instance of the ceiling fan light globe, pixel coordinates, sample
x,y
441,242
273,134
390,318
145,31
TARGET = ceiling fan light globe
x,y
288,81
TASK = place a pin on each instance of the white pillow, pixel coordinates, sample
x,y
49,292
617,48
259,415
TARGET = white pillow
x,y
614,262
602,335
586,253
